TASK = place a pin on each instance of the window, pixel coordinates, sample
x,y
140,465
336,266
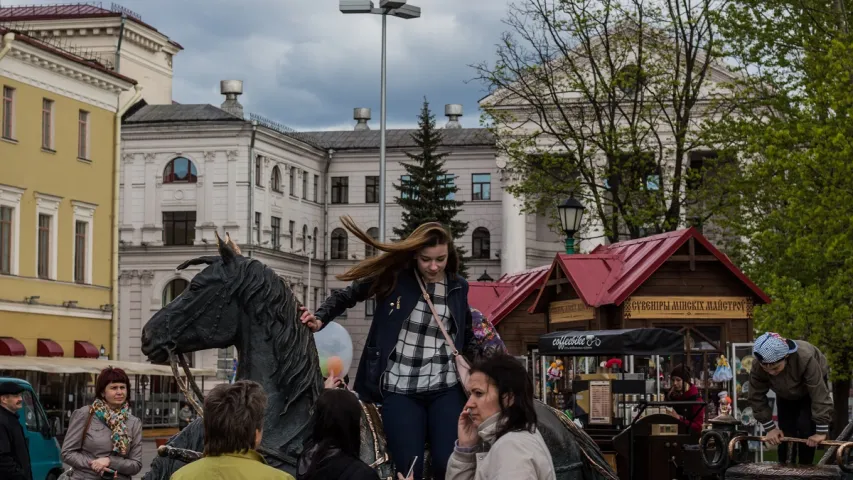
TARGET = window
x,y
258,228
291,227
275,223
340,189
305,185
371,192
275,180
173,289
8,127
369,307
369,251
305,295
344,314
83,135
339,244
305,240
482,243
316,186
31,413
447,180
405,182
44,246
258,177
180,170
80,251
314,301
47,124
314,239
293,181
6,240
481,186
178,228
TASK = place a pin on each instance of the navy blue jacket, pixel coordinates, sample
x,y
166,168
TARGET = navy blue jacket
x,y
388,320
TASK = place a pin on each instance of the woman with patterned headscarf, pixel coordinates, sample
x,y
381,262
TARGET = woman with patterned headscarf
x,y
104,440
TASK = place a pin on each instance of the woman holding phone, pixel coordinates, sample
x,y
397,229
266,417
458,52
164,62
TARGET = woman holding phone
x,y
407,365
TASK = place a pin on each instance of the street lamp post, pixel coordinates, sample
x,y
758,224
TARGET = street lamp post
x,y
571,214
397,8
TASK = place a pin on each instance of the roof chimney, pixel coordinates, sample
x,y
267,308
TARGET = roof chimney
x,y
362,115
232,89
453,111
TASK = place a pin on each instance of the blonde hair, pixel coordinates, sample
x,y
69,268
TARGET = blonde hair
x,y
398,256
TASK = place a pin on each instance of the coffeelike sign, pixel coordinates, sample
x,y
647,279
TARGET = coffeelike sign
x,y
688,307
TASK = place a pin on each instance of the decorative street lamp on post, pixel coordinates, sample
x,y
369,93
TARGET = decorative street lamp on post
x,y
397,8
571,215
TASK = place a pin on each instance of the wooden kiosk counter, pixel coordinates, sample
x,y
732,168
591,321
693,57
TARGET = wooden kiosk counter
x,y
676,281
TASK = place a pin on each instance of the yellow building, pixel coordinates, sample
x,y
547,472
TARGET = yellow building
x,y
57,177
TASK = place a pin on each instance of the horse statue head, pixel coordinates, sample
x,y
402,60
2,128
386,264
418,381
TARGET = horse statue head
x,y
240,301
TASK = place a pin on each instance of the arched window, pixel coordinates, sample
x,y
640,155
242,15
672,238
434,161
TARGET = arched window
x,y
275,180
482,243
305,240
369,251
180,170
173,289
316,234
339,244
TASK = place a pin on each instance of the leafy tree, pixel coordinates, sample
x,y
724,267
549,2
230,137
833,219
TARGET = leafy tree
x,y
429,192
608,101
793,120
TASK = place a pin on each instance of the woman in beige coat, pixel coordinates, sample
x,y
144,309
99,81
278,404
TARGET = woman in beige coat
x,y
498,439
104,440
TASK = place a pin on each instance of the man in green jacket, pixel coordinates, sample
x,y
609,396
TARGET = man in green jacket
x,y
798,373
233,426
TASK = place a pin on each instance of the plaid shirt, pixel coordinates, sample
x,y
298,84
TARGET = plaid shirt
x,y
422,361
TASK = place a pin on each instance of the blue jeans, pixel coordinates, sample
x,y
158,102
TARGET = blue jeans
x,y
409,420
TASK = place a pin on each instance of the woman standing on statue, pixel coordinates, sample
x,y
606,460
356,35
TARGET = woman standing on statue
x,y
407,365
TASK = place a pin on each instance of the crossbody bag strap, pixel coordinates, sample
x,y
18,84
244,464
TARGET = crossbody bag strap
x,y
435,315
86,429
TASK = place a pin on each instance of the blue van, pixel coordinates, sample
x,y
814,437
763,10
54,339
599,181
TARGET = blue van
x,y
44,448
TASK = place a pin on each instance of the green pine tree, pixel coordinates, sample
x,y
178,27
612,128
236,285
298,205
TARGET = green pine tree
x,y
428,192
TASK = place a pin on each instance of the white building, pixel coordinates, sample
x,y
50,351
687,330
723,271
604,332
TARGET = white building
x,y
191,170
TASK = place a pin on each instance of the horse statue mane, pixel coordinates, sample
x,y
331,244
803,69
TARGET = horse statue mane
x,y
240,301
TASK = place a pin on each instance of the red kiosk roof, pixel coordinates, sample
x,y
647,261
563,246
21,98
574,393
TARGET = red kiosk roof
x,y
610,274
497,299
12,347
48,348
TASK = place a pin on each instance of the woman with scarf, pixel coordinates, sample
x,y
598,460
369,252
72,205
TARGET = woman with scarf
x,y
103,439
683,390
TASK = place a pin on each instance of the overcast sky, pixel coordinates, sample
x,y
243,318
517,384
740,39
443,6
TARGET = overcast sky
x,y
305,64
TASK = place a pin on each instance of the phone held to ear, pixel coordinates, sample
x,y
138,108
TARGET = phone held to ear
x,y
109,474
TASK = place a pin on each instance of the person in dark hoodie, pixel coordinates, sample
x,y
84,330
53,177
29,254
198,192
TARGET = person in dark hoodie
x,y
683,390
332,451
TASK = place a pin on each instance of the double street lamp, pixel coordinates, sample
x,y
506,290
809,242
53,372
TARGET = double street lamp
x,y
400,9
571,215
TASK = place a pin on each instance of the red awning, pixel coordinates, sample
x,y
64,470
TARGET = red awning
x,y
11,347
84,349
49,348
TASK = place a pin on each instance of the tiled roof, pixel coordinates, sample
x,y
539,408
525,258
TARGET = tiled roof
x,y
369,139
181,113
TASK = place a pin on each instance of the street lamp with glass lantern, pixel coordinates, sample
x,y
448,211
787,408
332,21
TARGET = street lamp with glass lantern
x,y
400,9
571,215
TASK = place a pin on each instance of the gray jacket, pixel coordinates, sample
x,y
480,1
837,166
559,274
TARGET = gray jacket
x,y
514,456
805,374
99,444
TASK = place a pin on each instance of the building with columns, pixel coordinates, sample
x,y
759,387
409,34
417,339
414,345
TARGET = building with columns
x,y
189,171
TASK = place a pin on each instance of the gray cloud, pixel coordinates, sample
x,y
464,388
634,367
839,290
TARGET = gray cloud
x,y
307,65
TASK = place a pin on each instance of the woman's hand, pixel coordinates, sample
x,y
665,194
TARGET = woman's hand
x,y
100,464
332,381
467,431
310,320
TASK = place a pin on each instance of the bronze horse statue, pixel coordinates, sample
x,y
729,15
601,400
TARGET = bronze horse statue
x,y
240,301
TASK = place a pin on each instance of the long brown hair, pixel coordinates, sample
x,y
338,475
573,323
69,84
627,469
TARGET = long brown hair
x,y
383,269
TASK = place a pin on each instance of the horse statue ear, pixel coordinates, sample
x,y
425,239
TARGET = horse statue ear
x,y
232,244
225,250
